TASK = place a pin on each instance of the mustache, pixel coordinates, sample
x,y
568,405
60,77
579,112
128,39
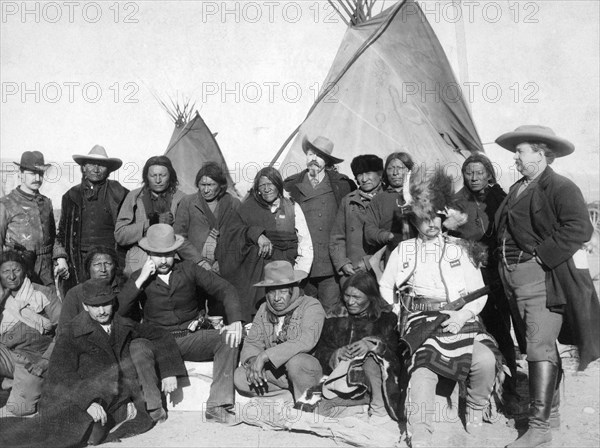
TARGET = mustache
x,y
313,163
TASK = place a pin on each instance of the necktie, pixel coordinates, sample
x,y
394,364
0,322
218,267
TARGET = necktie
x,y
314,182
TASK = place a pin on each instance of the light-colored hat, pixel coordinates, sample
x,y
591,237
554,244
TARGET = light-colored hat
x,y
278,273
33,161
337,382
536,133
161,239
322,146
98,155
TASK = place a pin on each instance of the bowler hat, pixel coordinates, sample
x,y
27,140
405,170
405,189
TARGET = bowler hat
x,y
98,155
536,133
278,273
161,239
322,146
97,291
33,161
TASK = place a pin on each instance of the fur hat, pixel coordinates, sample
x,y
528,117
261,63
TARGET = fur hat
x,y
365,163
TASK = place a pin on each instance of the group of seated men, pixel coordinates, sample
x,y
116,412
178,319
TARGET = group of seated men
x,y
109,352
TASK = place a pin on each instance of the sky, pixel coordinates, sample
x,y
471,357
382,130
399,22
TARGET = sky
x,y
77,74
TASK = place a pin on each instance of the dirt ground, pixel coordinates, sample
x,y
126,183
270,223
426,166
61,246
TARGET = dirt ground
x,y
580,407
579,414
580,427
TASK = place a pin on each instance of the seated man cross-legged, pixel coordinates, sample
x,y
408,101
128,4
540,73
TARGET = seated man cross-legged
x,y
276,356
173,294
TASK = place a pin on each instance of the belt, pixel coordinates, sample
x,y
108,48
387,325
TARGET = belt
x,y
47,249
425,304
179,333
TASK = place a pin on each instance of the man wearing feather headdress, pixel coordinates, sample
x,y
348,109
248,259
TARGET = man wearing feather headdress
x,y
431,271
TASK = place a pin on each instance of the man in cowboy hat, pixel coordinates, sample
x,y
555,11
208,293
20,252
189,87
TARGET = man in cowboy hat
x,y
277,354
27,220
543,225
89,210
92,383
168,291
319,190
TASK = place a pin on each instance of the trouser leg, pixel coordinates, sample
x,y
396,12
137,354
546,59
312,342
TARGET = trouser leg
x,y
26,390
481,376
145,365
421,401
207,345
373,372
303,371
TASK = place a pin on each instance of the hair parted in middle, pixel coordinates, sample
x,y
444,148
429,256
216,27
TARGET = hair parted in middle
x,y
162,161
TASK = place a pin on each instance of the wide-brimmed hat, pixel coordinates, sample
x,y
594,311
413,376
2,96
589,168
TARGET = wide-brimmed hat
x,y
279,273
33,161
97,291
337,382
98,155
321,146
536,133
161,239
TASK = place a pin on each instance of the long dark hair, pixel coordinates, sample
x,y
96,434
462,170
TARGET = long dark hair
x,y
214,171
100,250
479,157
274,176
366,283
404,157
162,161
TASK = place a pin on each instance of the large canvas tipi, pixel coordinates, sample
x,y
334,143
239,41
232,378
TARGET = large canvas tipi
x,y
192,144
390,88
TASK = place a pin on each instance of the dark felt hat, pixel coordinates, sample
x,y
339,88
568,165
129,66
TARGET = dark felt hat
x,y
33,161
97,291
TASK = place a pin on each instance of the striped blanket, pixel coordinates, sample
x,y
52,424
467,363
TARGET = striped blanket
x,y
447,354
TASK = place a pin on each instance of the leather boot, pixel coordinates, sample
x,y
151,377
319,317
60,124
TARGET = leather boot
x,y
542,384
555,410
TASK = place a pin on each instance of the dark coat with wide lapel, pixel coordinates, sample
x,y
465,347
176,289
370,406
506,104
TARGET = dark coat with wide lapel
x,y
560,219
85,368
341,186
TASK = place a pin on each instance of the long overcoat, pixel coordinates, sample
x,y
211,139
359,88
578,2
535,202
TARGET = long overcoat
x,y
69,226
560,219
85,368
319,219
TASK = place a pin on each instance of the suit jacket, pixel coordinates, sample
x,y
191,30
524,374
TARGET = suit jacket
x,y
560,219
86,368
320,226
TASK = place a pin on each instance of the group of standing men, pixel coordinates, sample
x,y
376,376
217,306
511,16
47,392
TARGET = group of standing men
x,y
534,237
